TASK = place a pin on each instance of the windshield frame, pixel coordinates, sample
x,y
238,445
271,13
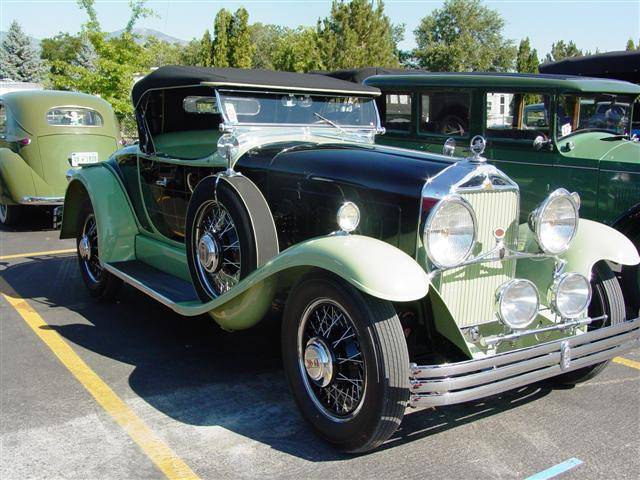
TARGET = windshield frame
x,y
376,128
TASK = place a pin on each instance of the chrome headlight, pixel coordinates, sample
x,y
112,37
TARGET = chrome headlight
x,y
450,232
570,295
518,303
348,217
555,221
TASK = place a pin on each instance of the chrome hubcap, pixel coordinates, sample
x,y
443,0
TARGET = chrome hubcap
x,y
208,253
318,362
84,247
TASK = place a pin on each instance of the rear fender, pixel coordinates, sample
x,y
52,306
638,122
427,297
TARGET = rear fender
x,y
16,177
117,227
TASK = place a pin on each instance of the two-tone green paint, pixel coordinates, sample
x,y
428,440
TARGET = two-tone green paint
x,y
603,168
34,155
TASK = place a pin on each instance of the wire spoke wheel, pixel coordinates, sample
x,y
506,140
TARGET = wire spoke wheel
x,y
331,360
88,250
217,244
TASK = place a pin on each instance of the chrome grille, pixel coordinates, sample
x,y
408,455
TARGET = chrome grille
x,y
469,291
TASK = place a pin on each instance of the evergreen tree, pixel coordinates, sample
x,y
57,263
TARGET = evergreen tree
x,y
87,57
358,34
463,35
561,50
221,38
266,39
630,45
240,47
18,60
527,59
206,50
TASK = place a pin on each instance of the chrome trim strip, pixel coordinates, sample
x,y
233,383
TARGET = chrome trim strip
x,y
447,384
29,200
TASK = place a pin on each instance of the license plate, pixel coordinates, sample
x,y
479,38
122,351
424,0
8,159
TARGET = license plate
x,y
83,158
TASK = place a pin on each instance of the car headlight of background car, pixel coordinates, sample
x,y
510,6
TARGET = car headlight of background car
x,y
450,232
555,221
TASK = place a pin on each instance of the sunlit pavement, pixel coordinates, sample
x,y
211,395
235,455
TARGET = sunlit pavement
x,y
219,402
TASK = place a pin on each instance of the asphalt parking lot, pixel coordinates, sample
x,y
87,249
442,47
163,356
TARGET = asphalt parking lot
x,y
164,396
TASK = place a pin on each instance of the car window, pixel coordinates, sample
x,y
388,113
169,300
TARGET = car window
x,y
397,115
74,117
601,112
444,113
517,115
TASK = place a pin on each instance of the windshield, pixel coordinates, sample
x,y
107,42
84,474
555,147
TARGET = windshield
x,y
600,112
330,111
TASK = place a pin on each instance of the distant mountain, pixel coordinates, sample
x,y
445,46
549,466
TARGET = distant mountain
x,y
35,43
144,33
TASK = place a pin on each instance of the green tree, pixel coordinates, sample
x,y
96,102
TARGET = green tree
x,y
159,53
357,34
561,50
527,59
86,57
206,50
297,51
138,12
630,46
63,47
18,60
240,47
265,38
221,27
190,54
463,35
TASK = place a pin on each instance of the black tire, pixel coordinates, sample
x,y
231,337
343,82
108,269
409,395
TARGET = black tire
x,y
607,299
203,196
10,214
102,285
381,343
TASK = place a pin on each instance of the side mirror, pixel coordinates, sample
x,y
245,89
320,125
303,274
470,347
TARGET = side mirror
x,y
449,147
541,142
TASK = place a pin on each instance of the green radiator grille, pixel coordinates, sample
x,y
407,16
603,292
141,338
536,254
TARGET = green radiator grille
x,y
469,291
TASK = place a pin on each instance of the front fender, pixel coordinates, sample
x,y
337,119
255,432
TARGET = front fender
x,y
117,227
16,179
370,265
594,242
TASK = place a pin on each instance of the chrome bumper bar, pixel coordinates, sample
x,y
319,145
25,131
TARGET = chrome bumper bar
x,y
42,200
446,384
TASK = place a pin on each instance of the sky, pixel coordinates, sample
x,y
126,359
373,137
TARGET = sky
x,y
603,24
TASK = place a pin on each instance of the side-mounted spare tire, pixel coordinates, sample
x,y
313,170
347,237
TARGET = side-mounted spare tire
x,y
229,233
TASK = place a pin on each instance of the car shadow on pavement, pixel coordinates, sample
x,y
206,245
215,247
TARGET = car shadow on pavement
x,y
32,219
192,371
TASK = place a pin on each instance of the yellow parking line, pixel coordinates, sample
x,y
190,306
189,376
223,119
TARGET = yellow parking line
x,y
158,451
37,254
627,362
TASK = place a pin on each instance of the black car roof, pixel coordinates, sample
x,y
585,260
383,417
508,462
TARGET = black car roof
x,y
181,76
624,65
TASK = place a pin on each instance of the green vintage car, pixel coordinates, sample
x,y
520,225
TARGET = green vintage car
x,y
544,131
43,134
405,277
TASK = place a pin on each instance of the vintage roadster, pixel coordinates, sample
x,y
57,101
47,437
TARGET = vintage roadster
x,y
42,134
405,277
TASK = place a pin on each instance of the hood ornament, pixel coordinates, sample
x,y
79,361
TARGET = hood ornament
x,y
478,144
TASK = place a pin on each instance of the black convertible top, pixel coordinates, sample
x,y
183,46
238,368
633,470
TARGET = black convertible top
x,y
359,75
624,65
179,76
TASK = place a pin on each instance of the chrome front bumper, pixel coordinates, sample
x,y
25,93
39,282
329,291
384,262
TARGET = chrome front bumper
x,y
446,384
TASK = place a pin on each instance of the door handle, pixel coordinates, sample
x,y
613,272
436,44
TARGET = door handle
x,y
162,183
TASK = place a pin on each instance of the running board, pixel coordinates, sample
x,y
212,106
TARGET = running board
x,y
173,292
